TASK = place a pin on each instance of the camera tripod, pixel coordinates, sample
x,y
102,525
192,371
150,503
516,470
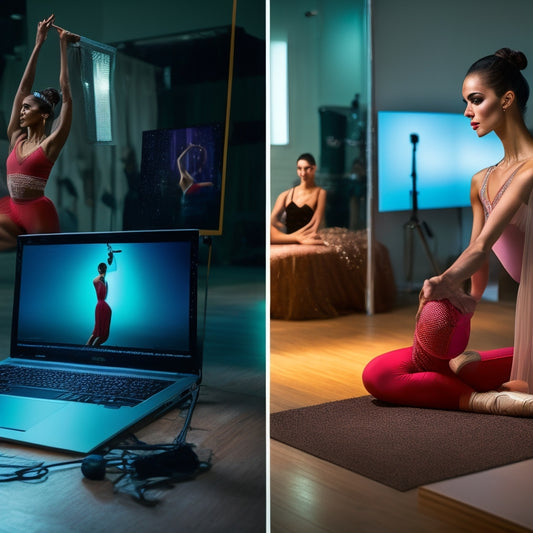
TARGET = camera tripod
x,y
415,225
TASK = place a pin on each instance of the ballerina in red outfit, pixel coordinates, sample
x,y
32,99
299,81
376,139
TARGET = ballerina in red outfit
x,y
433,372
102,313
33,152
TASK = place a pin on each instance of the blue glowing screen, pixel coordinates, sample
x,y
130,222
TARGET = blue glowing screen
x,y
148,293
448,153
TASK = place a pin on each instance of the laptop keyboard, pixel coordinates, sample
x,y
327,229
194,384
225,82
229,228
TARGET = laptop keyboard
x,y
108,390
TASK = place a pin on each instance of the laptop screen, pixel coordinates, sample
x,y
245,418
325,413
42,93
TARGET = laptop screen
x,y
115,299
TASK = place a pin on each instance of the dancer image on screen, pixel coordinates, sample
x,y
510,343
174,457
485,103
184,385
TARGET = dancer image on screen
x,y
298,213
200,200
434,372
102,312
33,151
187,183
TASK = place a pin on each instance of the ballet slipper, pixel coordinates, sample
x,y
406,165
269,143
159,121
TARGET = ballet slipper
x,y
458,363
502,403
515,385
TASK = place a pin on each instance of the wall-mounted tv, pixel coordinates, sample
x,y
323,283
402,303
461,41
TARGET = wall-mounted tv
x,y
182,181
448,153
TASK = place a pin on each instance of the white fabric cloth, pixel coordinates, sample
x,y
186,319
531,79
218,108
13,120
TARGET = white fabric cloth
x,y
522,367
94,169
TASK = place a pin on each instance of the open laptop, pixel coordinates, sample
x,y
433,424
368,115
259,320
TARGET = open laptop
x,y
134,327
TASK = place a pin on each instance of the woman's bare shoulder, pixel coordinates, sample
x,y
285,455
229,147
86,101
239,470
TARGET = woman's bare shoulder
x,y
524,174
528,165
478,177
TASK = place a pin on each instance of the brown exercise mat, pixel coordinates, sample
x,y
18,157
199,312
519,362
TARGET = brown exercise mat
x,y
404,447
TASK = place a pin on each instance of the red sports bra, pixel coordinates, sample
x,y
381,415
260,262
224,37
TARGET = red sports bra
x,y
27,176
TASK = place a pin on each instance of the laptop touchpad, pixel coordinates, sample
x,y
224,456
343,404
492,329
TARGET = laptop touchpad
x,y
20,414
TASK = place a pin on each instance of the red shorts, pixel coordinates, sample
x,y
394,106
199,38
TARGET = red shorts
x,y
33,216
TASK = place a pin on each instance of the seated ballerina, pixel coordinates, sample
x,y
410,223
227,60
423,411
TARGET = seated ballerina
x,y
436,372
299,212
433,372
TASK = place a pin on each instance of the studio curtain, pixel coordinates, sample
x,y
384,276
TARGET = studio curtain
x,y
89,183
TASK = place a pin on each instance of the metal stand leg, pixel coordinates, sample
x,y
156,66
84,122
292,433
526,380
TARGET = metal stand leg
x,y
412,226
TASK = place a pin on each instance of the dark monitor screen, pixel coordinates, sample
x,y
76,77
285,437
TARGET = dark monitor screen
x,y
448,153
182,182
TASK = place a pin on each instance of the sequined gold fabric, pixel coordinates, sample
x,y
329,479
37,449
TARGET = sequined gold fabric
x,y
322,281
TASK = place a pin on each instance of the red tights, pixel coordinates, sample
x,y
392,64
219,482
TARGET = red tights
x,y
420,375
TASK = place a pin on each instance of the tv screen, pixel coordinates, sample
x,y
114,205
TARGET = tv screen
x,y
182,182
448,153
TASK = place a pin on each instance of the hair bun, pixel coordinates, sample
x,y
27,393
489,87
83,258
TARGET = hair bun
x,y
52,95
517,58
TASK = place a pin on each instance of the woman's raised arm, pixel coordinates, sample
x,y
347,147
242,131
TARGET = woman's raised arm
x,y
26,83
56,140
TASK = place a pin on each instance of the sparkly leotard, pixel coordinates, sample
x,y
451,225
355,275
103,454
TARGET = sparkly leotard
x,y
26,204
420,375
297,216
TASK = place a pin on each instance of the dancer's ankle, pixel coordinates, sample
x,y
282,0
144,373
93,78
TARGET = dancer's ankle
x,y
464,402
515,385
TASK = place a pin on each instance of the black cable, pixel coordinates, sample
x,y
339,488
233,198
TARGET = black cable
x,y
33,473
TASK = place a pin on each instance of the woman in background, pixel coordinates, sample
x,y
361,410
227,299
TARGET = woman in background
x,y
33,151
434,372
299,212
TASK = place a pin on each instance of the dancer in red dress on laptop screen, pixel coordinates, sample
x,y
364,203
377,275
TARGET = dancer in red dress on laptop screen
x,y
102,312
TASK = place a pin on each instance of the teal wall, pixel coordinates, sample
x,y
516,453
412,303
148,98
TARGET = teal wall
x,y
121,20
327,65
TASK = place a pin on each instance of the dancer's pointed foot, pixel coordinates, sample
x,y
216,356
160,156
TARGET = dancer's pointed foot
x,y
459,362
502,403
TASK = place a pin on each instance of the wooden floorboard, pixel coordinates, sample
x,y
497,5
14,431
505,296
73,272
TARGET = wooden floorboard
x,y
313,362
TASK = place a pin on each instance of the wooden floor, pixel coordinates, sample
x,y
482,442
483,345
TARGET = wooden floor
x,y
317,361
